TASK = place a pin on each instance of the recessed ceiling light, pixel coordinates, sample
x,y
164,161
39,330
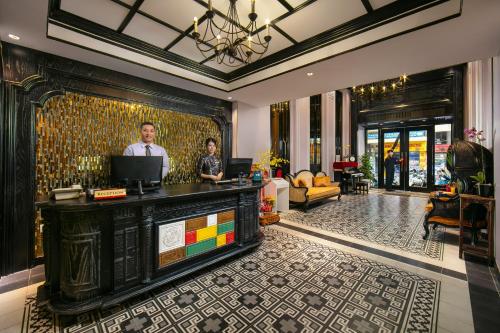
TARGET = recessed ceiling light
x,y
14,37
230,98
310,74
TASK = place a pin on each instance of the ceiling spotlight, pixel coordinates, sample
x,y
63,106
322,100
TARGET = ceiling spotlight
x,y
310,74
229,98
14,37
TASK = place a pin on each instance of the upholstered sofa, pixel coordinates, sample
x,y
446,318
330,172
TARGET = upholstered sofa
x,y
302,190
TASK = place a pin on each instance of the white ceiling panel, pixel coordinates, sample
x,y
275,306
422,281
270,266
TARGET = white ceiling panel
x,y
265,9
149,31
179,13
187,48
222,67
103,12
380,3
320,16
278,42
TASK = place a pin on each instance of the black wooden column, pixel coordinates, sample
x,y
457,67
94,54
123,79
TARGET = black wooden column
x,y
146,240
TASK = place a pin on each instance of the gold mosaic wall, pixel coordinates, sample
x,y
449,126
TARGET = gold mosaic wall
x,y
76,135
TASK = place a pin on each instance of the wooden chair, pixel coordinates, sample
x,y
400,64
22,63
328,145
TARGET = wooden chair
x,y
444,210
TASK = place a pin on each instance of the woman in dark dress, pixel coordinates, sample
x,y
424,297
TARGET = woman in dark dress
x,y
209,166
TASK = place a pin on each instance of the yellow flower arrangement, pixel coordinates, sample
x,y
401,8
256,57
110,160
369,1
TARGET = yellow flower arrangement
x,y
268,159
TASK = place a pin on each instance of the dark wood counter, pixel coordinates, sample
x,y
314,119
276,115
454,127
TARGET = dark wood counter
x,y
98,254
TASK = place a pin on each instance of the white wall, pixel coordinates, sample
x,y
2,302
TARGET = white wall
x,y
346,123
496,151
478,106
253,130
299,134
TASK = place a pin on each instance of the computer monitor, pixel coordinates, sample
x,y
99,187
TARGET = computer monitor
x,y
235,166
128,171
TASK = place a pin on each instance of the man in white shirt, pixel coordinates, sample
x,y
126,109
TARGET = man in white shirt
x,y
146,147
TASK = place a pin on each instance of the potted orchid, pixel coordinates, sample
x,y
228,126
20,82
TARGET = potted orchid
x,y
483,189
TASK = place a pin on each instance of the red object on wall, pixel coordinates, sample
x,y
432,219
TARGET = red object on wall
x,y
190,237
344,164
230,237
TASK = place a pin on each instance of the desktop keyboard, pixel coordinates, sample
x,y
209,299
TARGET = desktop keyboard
x,y
226,181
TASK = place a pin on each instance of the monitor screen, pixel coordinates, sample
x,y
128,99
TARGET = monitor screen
x,y
128,170
235,166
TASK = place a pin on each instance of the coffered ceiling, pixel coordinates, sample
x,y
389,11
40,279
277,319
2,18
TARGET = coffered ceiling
x,y
157,33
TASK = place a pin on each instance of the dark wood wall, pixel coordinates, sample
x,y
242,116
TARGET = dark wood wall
x,y
28,78
433,96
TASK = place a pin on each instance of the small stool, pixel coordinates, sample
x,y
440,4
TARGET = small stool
x,y
362,187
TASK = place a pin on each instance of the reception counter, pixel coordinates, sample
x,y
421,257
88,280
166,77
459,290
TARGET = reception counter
x,y
98,254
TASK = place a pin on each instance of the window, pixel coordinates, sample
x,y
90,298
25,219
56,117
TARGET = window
x,y
442,134
372,152
280,132
315,133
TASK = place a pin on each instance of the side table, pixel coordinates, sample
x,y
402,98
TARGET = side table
x,y
278,188
480,249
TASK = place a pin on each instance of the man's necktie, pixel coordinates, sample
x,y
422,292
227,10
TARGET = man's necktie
x,y
148,150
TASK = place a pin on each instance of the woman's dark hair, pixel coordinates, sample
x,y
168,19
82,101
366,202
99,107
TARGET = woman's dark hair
x,y
147,123
207,141
390,151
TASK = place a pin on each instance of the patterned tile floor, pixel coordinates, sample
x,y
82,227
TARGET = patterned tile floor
x,y
289,284
387,220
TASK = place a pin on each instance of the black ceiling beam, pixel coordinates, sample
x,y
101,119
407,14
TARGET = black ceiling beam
x,y
129,16
286,5
368,5
287,36
120,2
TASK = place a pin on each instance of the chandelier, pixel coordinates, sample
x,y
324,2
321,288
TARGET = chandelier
x,y
230,43
380,89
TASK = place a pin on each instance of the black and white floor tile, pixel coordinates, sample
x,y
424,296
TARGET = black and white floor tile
x,y
392,221
289,284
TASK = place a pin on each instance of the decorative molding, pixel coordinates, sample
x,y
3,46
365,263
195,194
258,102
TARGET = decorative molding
x,y
373,19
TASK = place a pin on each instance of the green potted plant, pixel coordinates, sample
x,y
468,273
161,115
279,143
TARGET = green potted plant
x,y
367,168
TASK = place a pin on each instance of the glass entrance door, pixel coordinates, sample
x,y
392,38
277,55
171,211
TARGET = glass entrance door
x,y
418,158
414,146
391,140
